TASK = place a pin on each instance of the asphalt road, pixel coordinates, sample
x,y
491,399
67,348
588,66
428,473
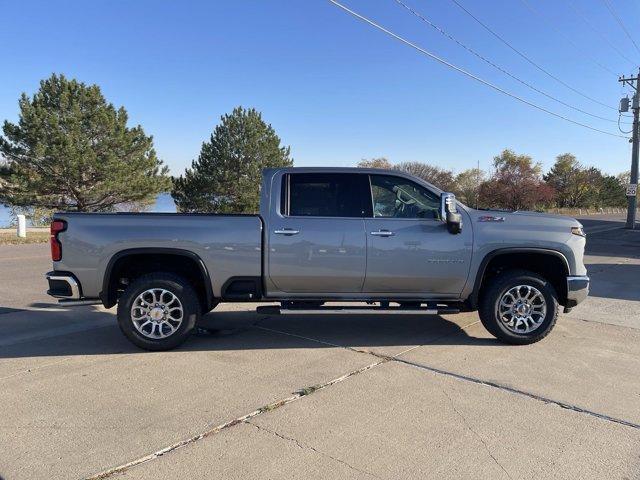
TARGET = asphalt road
x,y
329,397
598,223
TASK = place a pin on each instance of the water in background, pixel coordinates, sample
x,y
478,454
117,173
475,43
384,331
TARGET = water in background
x,y
164,203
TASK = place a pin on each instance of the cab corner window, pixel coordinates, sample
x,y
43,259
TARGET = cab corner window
x,y
328,195
397,197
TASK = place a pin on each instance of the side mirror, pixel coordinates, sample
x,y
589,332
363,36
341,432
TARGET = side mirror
x,y
449,213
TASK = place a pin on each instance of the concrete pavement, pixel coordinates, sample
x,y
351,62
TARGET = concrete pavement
x,y
329,397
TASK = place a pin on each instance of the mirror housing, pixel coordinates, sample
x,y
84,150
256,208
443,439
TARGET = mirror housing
x,y
449,213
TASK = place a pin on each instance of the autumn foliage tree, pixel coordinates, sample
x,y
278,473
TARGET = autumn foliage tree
x,y
440,177
378,162
516,183
467,186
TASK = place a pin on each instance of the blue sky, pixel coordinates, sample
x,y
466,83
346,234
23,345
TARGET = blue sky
x,y
334,89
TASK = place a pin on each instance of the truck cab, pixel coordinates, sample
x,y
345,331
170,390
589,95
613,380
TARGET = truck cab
x,y
360,235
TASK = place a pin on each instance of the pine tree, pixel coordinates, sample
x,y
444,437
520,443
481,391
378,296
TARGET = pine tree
x,y
226,176
71,150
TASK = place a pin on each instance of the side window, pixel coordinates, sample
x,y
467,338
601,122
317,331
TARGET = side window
x,y
396,197
327,195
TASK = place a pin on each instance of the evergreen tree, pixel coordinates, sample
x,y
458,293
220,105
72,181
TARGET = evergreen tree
x,y
611,192
575,185
226,176
71,150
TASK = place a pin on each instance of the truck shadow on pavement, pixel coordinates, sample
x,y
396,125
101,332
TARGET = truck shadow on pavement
x,y
246,330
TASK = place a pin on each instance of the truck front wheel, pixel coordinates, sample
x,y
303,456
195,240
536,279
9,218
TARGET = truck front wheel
x,y
158,311
519,307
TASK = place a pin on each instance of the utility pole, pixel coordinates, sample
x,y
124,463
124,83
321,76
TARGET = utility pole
x,y
632,189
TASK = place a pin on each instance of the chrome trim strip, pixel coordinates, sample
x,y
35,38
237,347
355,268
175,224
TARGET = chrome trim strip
x,y
351,311
73,284
74,303
577,289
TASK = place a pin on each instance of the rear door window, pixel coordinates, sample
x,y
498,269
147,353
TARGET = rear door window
x,y
327,195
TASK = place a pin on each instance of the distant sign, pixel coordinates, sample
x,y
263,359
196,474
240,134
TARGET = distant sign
x,y
632,190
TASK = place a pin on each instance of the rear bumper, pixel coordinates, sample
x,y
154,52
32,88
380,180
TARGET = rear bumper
x,y
63,285
577,290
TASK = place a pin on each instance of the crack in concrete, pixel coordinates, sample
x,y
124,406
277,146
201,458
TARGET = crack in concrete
x,y
523,393
465,378
309,447
475,434
303,392
604,324
310,390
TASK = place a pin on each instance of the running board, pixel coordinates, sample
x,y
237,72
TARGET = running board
x,y
275,310
76,303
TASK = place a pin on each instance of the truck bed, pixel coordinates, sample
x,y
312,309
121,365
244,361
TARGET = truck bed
x,y
229,245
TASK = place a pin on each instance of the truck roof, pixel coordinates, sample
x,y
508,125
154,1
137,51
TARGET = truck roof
x,y
269,172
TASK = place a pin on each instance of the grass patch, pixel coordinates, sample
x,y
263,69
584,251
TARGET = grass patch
x,y
10,238
308,390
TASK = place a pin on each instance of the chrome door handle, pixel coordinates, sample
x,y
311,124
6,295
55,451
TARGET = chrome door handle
x,y
383,233
286,231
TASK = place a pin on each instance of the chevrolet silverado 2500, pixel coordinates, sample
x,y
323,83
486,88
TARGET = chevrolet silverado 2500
x,y
324,235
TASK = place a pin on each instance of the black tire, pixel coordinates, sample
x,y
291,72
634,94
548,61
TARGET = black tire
x,y
493,293
177,286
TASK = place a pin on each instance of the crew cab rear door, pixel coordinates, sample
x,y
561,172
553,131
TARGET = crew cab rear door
x,y
317,241
409,249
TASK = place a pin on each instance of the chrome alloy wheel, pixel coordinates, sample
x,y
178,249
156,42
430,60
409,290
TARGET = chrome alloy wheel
x,y
522,309
157,313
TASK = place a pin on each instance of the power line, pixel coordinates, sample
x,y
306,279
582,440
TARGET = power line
x,y
549,22
466,73
619,20
497,67
525,57
598,32
620,128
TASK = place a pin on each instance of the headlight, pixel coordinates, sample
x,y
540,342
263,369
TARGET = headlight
x,y
578,231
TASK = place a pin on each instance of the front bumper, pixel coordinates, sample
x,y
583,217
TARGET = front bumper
x,y
577,290
63,285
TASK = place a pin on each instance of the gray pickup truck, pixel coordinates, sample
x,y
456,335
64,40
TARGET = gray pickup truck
x,y
339,235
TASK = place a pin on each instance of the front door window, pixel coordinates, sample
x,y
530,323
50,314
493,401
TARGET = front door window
x,y
396,197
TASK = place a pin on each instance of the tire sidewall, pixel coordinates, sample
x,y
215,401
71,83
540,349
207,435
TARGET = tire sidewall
x,y
176,285
495,293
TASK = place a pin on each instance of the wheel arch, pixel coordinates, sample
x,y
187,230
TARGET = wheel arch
x,y
550,264
138,258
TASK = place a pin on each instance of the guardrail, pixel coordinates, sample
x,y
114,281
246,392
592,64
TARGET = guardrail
x,y
588,211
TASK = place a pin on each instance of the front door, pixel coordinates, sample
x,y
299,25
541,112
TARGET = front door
x,y
409,249
317,241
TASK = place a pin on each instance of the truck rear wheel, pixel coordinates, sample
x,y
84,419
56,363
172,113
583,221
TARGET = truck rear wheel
x,y
519,307
158,311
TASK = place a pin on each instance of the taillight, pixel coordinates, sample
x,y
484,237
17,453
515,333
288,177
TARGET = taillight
x,y
57,226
